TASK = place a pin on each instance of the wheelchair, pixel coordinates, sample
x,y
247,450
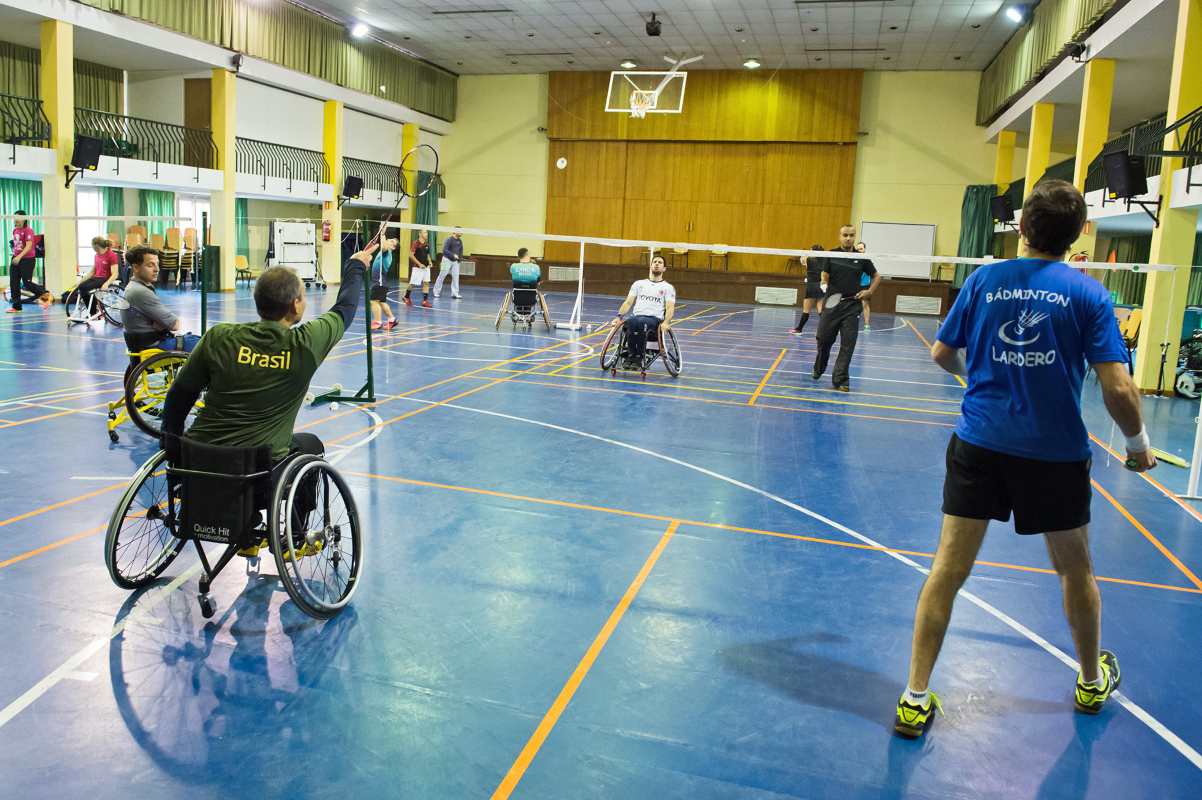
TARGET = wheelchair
x,y
615,352
300,509
146,384
104,306
523,304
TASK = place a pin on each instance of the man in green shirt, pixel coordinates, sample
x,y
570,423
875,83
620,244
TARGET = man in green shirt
x,y
255,374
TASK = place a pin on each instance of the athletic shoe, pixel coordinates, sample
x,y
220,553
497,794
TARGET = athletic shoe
x,y
13,311
1088,698
843,388
375,326
437,296
252,550
427,304
795,332
390,324
456,297
912,719
816,374
408,301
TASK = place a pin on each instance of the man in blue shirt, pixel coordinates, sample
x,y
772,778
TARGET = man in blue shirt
x,y
452,254
1023,331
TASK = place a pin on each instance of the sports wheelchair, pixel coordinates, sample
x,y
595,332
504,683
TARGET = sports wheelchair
x,y
300,509
615,352
103,306
150,376
524,303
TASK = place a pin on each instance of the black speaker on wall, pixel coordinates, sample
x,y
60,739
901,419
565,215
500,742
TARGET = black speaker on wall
x,y
1125,174
1001,209
352,187
86,154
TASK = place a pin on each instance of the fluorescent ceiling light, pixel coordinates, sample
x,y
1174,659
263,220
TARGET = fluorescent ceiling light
x,y
628,64
1014,14
360,30
751,63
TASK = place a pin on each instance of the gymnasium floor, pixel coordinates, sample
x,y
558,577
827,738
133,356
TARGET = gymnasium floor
x,y
581,586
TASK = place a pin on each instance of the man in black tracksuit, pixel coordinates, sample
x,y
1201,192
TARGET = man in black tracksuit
x,y
842,277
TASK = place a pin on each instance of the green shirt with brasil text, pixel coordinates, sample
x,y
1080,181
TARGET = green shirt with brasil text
x,y
255,376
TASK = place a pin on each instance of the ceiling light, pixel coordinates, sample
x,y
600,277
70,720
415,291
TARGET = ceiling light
x,y
628,64
360,30
751,63
1014,14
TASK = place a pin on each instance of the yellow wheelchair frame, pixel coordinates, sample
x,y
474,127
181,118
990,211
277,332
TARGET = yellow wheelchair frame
x,y
146,391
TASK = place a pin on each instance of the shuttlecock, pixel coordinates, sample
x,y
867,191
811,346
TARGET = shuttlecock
x,y
333,406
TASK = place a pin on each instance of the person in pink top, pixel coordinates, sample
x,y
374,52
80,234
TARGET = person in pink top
x,y
103,274
20,270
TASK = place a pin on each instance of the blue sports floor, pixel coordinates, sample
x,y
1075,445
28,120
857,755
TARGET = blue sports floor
x,y
581,586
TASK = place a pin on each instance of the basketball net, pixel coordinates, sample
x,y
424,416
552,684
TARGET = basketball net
x,y
641,102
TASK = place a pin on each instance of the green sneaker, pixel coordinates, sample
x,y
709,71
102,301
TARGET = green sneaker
x,y
1089,699
912,719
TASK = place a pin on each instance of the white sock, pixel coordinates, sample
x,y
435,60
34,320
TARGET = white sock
x,y
917,698
1099,683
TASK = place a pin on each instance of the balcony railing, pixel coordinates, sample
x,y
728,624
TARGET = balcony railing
x,y
22,121
269,159
1140,140
147,139
376,177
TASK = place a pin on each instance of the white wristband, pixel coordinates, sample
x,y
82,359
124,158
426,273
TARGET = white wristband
x,y
1139,443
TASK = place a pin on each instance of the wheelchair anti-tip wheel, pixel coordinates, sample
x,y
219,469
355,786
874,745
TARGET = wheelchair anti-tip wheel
x,y
146,389
140,541
316,537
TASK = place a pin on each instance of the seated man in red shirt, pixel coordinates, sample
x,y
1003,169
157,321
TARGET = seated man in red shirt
x,y
102,276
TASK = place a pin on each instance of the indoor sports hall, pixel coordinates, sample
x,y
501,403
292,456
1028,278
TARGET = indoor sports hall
x,y
570,399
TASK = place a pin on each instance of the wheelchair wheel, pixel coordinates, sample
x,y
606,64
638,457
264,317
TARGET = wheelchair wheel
x,y
611,348
670,351
140,541
315,536
111,304
504,308
146,389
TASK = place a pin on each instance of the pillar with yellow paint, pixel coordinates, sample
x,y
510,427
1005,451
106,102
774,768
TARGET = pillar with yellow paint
x,y
58,99
1173,238
330,255
1039,144
1003,165
225,126
1092,132
410,138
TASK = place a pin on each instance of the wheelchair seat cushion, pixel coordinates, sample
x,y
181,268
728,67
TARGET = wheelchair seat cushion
x,y
220,505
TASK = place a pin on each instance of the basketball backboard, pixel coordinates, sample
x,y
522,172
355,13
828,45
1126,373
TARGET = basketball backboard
x,y
646,91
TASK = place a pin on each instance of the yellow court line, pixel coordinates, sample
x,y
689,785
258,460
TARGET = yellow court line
x,y
576,363
923,339
511,779
718,321
1166,552
764,381
52,416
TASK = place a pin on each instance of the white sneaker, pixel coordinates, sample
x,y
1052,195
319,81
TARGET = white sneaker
x,y
437,296
456,297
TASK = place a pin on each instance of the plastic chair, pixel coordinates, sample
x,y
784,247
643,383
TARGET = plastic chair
x,y
169,261
242,271
720,253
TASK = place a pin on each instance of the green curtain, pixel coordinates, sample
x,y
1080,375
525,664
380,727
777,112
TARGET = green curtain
x,y
1194,298
19,70
152,203
298,39
1126,287
976,228
242,227
17,195
426,211
113,198
98,87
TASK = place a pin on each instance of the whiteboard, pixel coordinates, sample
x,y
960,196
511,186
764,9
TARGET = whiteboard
x,y
903,238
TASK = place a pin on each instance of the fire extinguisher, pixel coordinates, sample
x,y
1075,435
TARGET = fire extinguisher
x,y
325,230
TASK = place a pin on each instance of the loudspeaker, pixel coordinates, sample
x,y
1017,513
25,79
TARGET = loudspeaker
x,y
1001,209
352,187
86,154
1125,174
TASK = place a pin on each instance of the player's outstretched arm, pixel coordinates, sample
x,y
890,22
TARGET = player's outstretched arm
x,y
1122,400
350,293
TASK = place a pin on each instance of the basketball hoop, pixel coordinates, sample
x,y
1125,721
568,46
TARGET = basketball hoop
x,y
640,103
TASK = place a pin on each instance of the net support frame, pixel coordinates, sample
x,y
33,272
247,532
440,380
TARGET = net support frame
x,y
573,323
366,392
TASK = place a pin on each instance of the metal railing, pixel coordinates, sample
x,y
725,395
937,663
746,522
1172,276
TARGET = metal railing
x,y
1140,139
269,159
23,121
376,177
147,139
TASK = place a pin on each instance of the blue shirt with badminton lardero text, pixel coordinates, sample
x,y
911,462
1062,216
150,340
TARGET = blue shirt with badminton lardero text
x,y
1029,327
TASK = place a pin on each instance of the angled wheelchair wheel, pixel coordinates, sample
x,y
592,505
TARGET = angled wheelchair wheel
x,y
504,308
112,303
140,541
146,389
611,348
670,351
316,536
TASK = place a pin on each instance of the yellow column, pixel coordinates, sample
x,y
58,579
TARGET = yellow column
x,y
225,126
1039,144
1003,165
1173,239
58,100
331,251
1092,132
409,140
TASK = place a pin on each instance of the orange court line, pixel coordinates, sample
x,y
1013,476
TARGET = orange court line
x,y
52,416
1193,512
511,779
764,381
52,546
1166,552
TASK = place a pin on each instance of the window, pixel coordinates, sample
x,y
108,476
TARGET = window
x,y
88,203
192,207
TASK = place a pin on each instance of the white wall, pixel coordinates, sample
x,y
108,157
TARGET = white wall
x,y
158,97
371,138
274,115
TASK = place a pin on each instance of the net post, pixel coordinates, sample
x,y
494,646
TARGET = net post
x,y
573,323
204,271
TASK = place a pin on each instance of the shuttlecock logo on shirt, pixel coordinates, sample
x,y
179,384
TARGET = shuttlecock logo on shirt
x,y
1020,329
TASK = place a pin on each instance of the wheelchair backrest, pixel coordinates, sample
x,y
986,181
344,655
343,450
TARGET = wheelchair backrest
x,y
218,487
525,298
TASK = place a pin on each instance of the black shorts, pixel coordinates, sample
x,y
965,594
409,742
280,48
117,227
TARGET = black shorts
x,y
1045,496
379,293
813,291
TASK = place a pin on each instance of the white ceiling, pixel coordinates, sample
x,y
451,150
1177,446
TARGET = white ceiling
x,y
546,35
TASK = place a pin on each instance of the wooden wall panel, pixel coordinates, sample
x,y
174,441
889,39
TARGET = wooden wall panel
x,y
586,198
719,105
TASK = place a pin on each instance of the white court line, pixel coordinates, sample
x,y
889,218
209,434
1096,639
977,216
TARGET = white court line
x,y
69,669
1157,727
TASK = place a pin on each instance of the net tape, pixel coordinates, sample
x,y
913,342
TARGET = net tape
x,y
763,251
